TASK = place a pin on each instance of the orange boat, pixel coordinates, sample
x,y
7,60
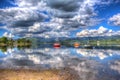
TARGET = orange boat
x,y
76,45
56,45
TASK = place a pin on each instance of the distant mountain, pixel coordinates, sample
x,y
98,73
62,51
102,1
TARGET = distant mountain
x,y
52,40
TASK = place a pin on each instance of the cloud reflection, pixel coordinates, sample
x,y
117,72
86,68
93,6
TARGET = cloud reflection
x,y
49,58
116,66
100,53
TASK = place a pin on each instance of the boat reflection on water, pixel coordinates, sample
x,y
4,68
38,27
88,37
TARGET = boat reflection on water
x,y
89,64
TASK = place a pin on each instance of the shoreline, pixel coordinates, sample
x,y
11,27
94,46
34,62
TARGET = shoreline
x,y
28,74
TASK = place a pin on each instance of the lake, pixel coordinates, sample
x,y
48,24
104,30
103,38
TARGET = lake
x,y
88,64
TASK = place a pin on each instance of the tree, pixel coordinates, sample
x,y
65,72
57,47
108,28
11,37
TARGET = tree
x,y
4,39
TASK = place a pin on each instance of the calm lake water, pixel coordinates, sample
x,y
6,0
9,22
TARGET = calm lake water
x,y
89,64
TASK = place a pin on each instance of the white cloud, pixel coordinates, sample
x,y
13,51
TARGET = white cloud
x,y
115,20
102,31
12,16
8,35
35,27
64,15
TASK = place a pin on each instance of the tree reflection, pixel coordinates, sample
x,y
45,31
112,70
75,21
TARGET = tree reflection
x,y
23,47
3,49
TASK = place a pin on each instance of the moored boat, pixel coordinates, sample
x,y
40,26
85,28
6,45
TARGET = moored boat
x,y
57,45
76,44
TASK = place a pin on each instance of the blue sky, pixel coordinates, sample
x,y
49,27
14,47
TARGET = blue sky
x,y
47,18
108,11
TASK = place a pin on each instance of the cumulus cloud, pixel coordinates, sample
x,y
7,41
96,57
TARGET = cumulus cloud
x,y
30,17
64,8
115,20
75,14
8,35
20,17
68,5
101,31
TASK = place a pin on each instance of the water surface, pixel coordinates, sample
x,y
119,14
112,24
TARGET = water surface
x,y
89,64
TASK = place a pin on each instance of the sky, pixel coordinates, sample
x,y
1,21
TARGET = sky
x,y
59,18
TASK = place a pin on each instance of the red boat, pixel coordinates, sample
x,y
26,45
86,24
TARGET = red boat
x,y
56,45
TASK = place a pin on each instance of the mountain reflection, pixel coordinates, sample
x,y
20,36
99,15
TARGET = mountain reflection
x,y
87,63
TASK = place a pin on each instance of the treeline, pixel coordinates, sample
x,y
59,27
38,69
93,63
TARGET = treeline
x,y
92,42
4,41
